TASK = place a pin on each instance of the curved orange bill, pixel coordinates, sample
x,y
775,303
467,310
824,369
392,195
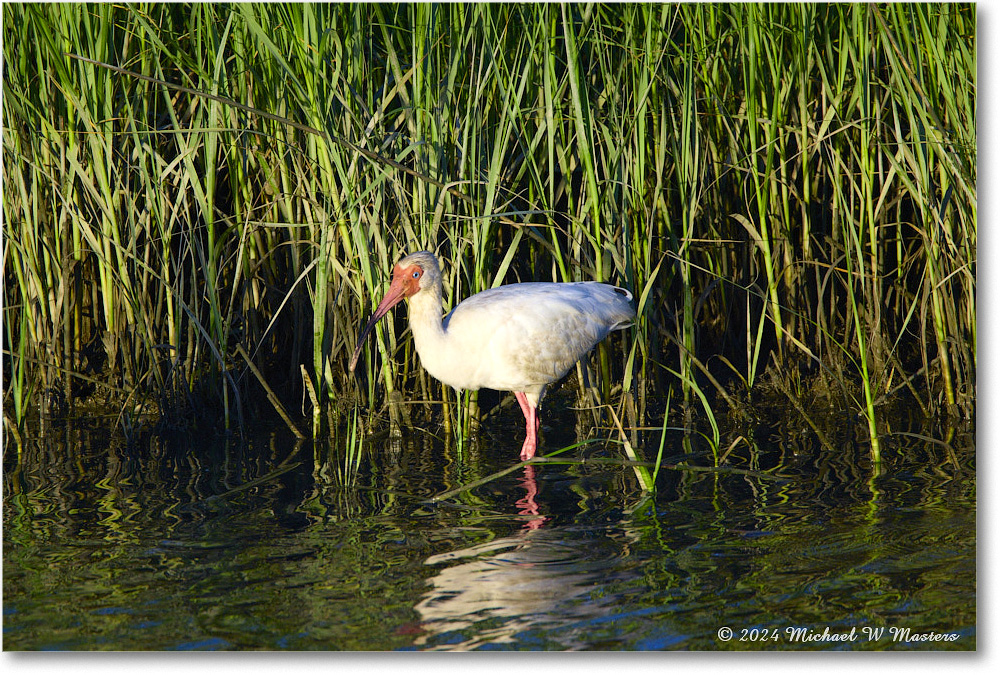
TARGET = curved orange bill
x,y
396,292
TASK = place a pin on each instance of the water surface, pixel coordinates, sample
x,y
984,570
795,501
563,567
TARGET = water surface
x,y
202,543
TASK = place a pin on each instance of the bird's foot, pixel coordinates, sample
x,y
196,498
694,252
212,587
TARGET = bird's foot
x,y
528,449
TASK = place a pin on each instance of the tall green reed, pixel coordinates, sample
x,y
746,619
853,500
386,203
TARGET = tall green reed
x,y
783,185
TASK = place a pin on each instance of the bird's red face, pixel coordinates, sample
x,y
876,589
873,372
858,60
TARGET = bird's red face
x,y
405,284
407,279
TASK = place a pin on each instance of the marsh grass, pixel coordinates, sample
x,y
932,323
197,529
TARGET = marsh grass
x,y
790,190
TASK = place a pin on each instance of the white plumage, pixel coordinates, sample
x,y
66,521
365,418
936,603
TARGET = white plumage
x,y
519,337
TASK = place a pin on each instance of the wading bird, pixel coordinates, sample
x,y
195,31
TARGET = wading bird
x,y
518,337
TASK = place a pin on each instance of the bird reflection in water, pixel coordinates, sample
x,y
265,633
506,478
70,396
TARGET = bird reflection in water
x,y
544,577
527,502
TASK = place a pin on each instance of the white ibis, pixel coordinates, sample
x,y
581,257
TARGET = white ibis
x,y
519,337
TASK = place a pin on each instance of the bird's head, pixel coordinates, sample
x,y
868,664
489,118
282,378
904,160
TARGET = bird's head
x,y
412,274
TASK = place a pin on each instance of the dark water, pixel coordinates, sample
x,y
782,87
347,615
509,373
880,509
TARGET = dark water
x,y
198,543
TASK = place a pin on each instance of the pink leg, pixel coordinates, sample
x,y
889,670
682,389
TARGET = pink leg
x,y
531,423
522,400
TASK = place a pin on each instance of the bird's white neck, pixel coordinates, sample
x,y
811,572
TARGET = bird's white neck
x,y
440,356
425,323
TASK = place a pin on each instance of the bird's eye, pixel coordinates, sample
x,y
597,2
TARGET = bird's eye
x,y
416,274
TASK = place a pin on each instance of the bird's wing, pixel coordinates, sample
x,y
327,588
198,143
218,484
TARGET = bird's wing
x,y
533,333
